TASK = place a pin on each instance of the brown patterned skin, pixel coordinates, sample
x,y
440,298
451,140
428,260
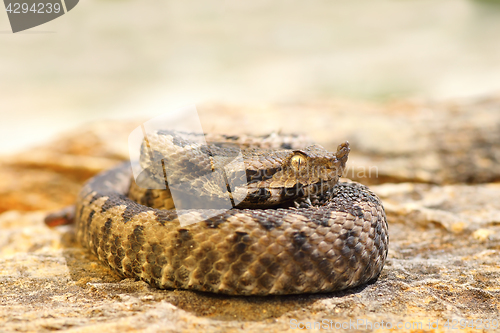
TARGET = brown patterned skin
x,y
337,241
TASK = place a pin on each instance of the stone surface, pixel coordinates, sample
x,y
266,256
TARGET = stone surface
x,y
444,252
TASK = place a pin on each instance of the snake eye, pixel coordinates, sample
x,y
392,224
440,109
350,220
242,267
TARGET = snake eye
x,y
298,161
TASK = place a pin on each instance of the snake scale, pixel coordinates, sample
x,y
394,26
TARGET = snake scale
x,y
297,230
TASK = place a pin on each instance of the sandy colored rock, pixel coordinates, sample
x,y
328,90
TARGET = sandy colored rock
x,y
456,208
444,238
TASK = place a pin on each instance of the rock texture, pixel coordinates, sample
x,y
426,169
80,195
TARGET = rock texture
x,y
433,164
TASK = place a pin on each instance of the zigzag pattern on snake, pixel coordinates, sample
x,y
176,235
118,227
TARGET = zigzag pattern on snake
x,y
298,230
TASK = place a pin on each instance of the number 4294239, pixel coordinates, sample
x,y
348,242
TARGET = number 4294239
x,y
36,8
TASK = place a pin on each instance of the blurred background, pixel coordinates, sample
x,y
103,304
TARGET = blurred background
x,y
129,59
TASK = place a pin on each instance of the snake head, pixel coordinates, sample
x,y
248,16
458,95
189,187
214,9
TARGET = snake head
x,y
312,166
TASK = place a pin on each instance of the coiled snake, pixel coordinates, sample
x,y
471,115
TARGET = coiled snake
x,y
297,230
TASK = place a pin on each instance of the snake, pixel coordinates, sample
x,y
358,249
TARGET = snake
x,y
266,216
